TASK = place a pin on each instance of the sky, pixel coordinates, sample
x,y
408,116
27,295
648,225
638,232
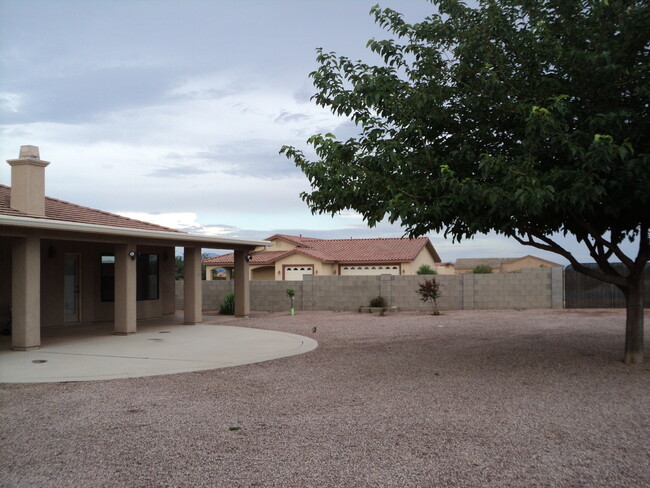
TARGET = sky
x,y
174,111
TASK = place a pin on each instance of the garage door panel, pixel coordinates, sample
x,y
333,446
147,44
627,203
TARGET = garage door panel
x,y
297,272
370,270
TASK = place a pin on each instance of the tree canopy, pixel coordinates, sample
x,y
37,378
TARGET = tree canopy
x,y
527,118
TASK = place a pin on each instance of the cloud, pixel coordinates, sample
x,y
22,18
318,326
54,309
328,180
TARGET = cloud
x,y
10,102
185,221
180,170
286,116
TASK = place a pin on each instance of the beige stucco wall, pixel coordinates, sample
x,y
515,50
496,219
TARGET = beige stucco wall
x,y
92,309
424,257
444,270
281,245
262,273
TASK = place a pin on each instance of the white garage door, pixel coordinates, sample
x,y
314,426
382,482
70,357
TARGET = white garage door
x,y
369,270
297,272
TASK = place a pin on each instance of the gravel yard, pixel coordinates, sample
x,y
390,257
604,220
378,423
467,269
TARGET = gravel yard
x,y
465,399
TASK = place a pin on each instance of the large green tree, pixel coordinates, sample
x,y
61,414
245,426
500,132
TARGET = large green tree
x,y
528,118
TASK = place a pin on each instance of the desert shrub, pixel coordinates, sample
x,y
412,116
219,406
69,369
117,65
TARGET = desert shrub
x,y
378,302
425,269
482,269
227,307
429,291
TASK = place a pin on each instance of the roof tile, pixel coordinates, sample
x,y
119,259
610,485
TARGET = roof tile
x,y
61,210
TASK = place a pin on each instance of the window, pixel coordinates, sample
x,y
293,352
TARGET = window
x,y
147,277
108,277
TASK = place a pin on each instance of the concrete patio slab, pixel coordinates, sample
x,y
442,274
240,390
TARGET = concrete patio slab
x,y
90,352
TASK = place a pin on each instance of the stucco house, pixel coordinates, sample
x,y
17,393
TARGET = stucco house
x,y
64,263
503,265
292,257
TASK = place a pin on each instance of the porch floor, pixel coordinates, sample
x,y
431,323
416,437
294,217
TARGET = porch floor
x,y
87,352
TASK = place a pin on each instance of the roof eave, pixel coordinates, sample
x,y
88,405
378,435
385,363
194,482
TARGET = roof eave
x,y
105,230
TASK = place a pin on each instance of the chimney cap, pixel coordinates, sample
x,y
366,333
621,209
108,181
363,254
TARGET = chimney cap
x,y
29,152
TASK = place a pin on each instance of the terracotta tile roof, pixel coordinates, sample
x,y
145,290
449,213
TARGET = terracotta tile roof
x,y
369,250
61,210
340,250
267,257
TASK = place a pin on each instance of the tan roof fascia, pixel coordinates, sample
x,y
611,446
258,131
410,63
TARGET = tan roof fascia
x,y
544,261
173,238
432,250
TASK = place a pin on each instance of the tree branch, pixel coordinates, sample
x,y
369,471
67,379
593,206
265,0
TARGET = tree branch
x,y
589,229
552,246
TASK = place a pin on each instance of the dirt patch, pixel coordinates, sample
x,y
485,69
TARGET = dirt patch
x,y
481,398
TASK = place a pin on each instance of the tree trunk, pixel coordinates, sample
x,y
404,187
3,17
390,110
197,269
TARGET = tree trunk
x,y
634,319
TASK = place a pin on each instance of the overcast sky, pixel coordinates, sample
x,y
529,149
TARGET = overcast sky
x,y
174,111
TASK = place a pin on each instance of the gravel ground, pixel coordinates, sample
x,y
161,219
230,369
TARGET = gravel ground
x,y
465,399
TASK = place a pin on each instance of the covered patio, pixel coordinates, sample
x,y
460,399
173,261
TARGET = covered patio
x,y
104,279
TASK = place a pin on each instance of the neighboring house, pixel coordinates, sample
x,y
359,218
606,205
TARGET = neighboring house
x,y
503,265
292,257
64,263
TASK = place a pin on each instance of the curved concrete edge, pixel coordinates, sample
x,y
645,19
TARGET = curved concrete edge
x,y
160,351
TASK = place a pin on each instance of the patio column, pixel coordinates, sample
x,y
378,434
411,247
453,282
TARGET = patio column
x,y
192,289
242,282
26,294
126,312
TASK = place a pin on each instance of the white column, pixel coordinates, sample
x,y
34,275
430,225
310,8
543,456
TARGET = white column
x,y
242,282
26,294
192,287
126,312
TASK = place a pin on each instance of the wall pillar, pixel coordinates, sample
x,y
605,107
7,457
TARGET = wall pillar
x,y
385,288
126,312
193,293
26,294
308,292
557,287
468,291
242,284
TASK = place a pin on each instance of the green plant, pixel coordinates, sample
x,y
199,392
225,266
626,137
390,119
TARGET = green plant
x,y
482,269
227,307
429,291
378,302
425,269
291,293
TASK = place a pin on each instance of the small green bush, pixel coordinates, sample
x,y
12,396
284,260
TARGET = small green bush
x,y
227,307
482,269
378,302
425,269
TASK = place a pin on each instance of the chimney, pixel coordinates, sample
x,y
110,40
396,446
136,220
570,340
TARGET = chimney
x,y
28,182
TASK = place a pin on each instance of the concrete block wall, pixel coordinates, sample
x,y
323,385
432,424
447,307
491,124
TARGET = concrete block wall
x,y
271,296
530,288
342,292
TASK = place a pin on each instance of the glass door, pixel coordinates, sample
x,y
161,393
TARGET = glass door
x,y
71,288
